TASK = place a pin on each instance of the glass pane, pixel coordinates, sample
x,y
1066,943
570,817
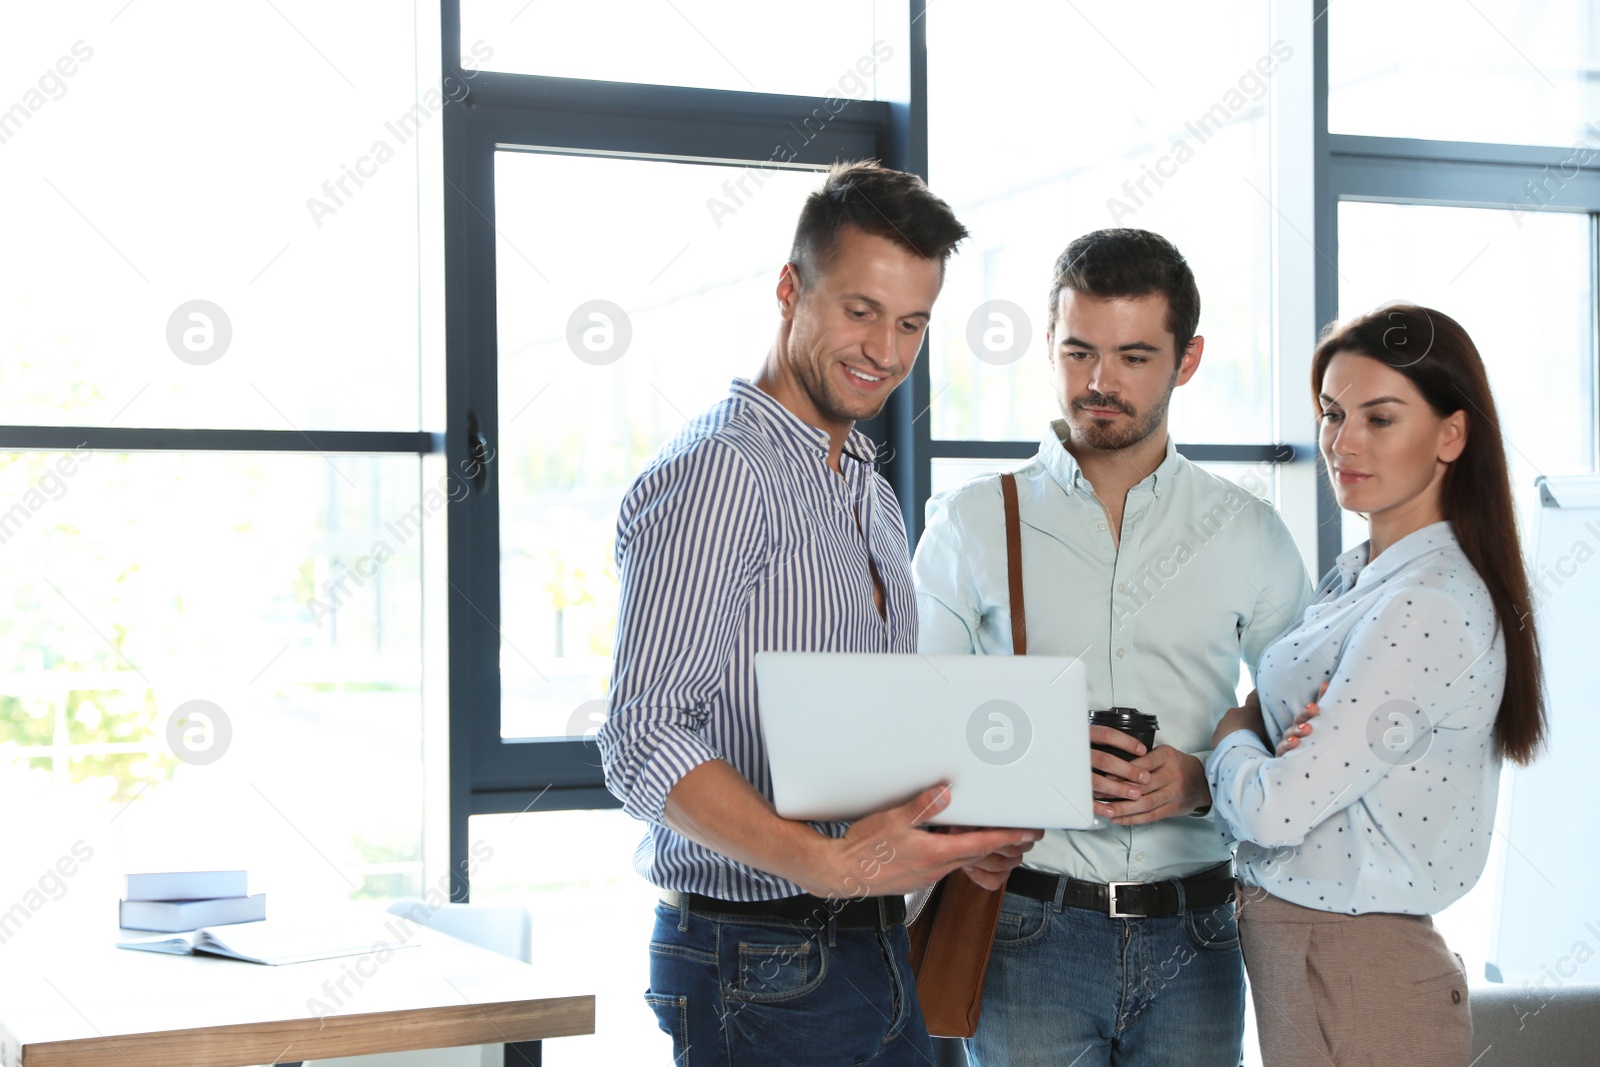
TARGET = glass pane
x,y
214,659
604,354
948,474
1508,71
1176,141
1260,478
561,865
221,221
1486,270
829,49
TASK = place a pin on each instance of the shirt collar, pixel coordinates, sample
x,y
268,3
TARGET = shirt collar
x,y
1063,467
1353,565
795,431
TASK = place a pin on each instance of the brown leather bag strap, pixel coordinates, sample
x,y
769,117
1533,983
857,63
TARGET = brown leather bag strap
x,y
1019,614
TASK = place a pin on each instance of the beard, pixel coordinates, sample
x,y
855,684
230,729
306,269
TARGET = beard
x,y
831,402
1113,437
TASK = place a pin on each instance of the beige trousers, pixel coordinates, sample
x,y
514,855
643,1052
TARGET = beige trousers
x,y
1351,990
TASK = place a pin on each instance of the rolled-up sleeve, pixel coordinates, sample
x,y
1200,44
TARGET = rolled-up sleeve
x,y
691,538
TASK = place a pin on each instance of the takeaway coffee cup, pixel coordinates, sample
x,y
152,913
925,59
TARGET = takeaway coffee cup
x,y
1129,721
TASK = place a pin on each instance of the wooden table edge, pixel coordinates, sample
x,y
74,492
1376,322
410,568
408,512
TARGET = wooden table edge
x,y
243,1045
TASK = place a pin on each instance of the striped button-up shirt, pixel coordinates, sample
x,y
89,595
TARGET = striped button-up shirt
x,y
739,538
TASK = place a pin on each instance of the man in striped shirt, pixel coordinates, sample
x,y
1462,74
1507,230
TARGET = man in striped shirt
x,y
763,525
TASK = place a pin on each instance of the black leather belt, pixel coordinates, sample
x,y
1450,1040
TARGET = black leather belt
x,y
867,913
1127,900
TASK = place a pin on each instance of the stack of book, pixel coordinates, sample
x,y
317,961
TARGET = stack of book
x,y
174,901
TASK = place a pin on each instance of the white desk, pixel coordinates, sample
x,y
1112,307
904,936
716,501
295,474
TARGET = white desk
x,y
86,1003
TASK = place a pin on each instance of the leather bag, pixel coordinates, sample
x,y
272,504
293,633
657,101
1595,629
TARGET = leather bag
x,y
953,933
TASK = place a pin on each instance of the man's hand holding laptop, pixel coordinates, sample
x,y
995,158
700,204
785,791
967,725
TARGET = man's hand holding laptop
x,y
987,855
884,853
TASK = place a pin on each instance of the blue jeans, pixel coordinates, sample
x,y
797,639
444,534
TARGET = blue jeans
x,y
736,991
1071,986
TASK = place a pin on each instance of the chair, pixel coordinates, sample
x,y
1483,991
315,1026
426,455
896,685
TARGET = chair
x,y
505,929
502,928
1514,1025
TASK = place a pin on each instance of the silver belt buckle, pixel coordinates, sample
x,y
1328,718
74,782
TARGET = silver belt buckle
x,y
1111,901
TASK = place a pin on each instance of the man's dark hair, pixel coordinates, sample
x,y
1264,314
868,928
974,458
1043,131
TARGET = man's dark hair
x,y
1130,263
883,202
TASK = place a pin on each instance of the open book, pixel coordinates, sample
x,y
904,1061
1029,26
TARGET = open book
x,y
275,942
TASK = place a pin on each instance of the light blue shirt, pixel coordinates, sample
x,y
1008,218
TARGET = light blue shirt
x,y
1388,805
1205,574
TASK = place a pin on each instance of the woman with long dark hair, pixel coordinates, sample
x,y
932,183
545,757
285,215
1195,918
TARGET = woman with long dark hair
x,y
1419,660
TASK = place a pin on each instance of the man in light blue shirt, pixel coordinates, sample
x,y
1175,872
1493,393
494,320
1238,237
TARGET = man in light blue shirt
x,y
1119,945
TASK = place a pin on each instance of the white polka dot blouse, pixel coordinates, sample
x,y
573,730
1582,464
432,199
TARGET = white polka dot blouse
x,y
1388,805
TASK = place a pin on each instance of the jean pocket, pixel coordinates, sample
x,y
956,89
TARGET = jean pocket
x,y
672,1015
669,950
1023,921
1213,929
769,972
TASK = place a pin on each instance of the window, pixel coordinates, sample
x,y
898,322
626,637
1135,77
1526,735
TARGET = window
x,y
217,495
1507,71
605,351
613,251
1100,123
229,263
1487,271
1496,231
825,49
599,222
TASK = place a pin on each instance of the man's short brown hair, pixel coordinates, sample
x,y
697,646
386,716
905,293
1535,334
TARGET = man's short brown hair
x,y
1107,264
883,202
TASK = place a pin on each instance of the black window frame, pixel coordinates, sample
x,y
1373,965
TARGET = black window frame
x,y
502,111
1419,171
517,112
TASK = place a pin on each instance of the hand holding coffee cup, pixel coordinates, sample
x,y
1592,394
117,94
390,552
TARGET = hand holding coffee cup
x,y
1117,735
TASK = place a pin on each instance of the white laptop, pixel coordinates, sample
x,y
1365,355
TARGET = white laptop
x,y
849,734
